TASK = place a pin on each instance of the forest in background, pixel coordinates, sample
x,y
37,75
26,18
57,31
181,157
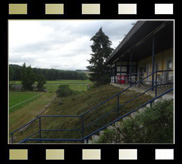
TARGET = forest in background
x,y
49,74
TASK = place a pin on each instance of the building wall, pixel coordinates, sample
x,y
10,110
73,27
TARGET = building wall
x,y
161,58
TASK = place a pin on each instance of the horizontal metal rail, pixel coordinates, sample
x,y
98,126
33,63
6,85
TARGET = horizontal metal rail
x,y
135,97
24,125
88,136
49,139
81,116
106,114
125,115
115,95
59,116
49,130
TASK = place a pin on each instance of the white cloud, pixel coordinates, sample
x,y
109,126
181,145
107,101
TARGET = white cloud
x,y
59,44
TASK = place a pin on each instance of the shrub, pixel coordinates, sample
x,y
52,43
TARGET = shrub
x,y
154,125
64,91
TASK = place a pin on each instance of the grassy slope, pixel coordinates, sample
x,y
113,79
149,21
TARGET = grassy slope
x,y
76,105
27,113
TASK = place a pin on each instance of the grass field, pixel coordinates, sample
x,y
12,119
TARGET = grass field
x,y
52,86
23,106
78,104
20,99
29,111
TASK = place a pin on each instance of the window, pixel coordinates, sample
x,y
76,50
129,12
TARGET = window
x,y
169,64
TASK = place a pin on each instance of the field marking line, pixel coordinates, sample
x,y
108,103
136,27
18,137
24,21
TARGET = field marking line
x,y
25,101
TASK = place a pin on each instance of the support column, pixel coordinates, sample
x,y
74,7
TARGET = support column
x,y
115,73
120,71
153,61
130,73
111,74
137,72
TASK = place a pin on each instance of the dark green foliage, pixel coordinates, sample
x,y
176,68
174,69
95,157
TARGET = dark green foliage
x,y
101,50
64,91
27,77
50,74
16,72
11,73
40,82
155,125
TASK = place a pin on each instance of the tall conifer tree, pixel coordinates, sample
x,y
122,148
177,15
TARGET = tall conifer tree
x,y
101,49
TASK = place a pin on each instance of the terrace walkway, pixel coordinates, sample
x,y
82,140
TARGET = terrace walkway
x,y
144,87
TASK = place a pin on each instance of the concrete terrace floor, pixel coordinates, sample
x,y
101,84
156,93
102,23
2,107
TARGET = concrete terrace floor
x,y
144,87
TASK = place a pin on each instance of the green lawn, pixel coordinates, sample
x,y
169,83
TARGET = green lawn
x,y
77,85
29,111
52,86
78,104
20,99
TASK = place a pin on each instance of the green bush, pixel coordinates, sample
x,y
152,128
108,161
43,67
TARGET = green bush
x,y
64,91
154,125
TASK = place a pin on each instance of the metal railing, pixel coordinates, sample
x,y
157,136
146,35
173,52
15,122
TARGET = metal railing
x,y
84,124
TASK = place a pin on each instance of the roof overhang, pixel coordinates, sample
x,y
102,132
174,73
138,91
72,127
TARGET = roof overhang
x,y
139,41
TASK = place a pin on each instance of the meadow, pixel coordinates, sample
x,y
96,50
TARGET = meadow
x,y
24,105
77,85
52,86
77,105
20,99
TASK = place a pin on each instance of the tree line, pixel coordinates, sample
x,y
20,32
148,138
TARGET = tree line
x,y
15,73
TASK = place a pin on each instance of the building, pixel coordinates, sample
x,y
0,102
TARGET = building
x,y
145,54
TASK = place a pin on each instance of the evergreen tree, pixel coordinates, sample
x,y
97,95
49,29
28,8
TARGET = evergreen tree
x,y
40,82
27,77
101,50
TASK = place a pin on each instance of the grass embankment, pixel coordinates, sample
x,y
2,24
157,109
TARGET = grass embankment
x,y
77,105
28,111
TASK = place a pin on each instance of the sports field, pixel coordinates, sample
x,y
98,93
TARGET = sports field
x,y
20,99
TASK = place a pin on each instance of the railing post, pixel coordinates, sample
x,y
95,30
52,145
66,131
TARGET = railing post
x,y
153,61
82,126
118,105
130,69
156,84
12,137
40,128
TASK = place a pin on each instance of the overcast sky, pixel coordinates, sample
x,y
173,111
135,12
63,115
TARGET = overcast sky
x,y
60,44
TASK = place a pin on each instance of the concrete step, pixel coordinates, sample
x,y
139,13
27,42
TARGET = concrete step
x,y
89,141
157,100
110,127
118,124
126,118
95,138
101,132
167,97
134,114
141,110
